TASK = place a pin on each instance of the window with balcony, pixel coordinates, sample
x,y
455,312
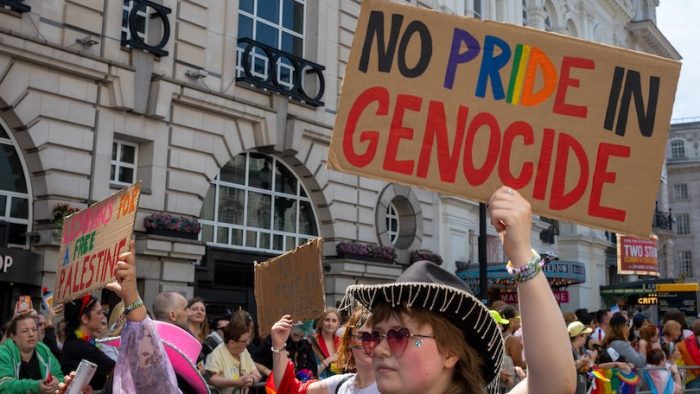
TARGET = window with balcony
x,y
682,223
685,262
141,19
278,24
677,150
14,196
257,203
124,160
680,191
145,25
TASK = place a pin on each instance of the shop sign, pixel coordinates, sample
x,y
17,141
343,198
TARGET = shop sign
x,y
20,266
637,256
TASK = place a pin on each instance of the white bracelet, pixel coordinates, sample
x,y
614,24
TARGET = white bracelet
x,y
278,350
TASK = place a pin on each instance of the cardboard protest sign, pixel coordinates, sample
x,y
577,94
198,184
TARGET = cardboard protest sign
x,y
461,106
290,284
637,256
91,242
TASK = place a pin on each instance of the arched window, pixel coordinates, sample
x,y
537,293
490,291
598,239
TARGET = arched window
x,y
14,196
257,203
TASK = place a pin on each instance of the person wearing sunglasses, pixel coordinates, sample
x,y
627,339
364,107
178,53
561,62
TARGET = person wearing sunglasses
x,y
431,335
352,354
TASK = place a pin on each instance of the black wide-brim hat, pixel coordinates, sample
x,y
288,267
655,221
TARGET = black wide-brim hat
x,y
427,286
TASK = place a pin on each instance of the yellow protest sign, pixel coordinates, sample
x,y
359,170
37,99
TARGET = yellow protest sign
x,y
461,106
91,242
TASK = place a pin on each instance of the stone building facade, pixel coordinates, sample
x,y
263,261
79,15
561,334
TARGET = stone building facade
x,y
683,163
180,94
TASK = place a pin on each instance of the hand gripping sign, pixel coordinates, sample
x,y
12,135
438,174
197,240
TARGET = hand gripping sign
x,y
462,106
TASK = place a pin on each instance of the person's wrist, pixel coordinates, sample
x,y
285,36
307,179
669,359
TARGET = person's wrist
x,y
521,257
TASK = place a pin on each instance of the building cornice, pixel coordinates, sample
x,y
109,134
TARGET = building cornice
x,y
652,40
619,7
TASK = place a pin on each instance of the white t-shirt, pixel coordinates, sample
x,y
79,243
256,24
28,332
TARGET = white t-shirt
x,y
349,385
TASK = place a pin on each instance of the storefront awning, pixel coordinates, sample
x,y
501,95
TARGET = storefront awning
x,y
559,273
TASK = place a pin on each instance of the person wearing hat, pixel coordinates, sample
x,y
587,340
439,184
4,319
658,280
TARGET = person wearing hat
x,y
578,333
152,354
431,335
508,374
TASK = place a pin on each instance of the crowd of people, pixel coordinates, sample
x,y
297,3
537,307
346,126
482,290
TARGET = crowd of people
x,y
424,333
612,349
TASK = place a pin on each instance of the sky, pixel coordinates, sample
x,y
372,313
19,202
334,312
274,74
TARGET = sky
x,y
678,21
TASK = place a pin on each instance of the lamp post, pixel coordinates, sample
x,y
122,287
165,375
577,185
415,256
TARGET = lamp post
x,y
483,295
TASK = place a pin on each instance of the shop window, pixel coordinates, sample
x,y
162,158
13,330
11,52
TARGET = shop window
x,y
257,203
124,163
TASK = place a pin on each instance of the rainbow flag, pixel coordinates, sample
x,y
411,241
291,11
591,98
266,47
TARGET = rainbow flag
x,y
613,381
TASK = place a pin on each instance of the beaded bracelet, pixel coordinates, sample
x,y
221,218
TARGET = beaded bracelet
x,y
528,271
136,304
278,350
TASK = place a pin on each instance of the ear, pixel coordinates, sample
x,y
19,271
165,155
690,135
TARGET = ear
x,y
450,361
84,319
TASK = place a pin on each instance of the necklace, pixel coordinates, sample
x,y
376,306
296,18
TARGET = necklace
x,y
84,337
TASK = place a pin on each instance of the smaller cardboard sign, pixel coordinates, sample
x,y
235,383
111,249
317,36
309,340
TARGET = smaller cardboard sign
x,y
290,284
637,256
91,242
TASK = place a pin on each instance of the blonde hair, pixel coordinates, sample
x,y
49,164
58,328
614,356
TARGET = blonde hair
x,y
116,320
466,376
671,325
328,311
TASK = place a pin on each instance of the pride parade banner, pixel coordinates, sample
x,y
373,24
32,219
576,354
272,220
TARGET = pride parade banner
x,y
91,242
290,284
637,256
461,106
